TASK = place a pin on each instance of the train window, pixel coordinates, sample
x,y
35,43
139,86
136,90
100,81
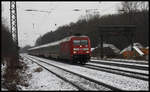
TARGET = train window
x,y
84,42
76,42
80,42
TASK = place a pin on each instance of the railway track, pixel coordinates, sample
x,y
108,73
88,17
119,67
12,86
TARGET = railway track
x,y
118,72
121,69
80,81
125,61
121,65
131,74
124,72
109,70
63,78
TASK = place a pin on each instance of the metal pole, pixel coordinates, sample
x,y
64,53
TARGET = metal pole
x,y
13,17
14,28
101,52
132,41
130,22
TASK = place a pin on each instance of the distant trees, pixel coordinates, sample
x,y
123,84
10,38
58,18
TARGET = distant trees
x,y
89,25
133,6
144,6
136,13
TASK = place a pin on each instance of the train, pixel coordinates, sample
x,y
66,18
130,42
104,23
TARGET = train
x,y
74,49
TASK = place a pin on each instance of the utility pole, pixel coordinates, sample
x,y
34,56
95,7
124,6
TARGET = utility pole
x,y
13,23
101,46
130,23
130,14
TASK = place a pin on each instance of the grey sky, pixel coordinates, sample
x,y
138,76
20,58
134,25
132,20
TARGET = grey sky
x,y
32,24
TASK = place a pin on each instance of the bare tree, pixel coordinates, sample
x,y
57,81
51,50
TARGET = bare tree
x,y
144,6
133,6
129,6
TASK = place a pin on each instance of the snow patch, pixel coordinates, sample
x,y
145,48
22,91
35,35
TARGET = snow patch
x,y
43,80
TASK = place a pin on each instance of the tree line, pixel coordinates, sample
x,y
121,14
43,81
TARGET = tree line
x,y
89,25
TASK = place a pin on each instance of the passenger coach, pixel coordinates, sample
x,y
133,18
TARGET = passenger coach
x,y
74,49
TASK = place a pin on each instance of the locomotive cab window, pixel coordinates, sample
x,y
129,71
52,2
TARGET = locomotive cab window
x,y
76,42
84,42
80,42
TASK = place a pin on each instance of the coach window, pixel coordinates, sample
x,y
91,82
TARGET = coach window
x,y
76,42
84,42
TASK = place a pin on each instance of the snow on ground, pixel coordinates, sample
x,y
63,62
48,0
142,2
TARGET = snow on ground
x,y
3,68
121,82
87,85
43,80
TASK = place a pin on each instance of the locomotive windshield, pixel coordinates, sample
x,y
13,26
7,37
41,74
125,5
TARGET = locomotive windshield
x,y
80,42
83,42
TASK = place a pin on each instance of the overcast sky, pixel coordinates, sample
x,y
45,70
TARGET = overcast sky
x,y
32,24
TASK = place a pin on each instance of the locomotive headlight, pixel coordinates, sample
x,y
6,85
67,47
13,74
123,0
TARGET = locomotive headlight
x,y
74,52
87,51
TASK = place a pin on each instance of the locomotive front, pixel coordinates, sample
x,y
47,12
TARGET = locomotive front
x,y
81,49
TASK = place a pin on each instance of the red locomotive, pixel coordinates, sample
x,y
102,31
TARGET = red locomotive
x,y
73,48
